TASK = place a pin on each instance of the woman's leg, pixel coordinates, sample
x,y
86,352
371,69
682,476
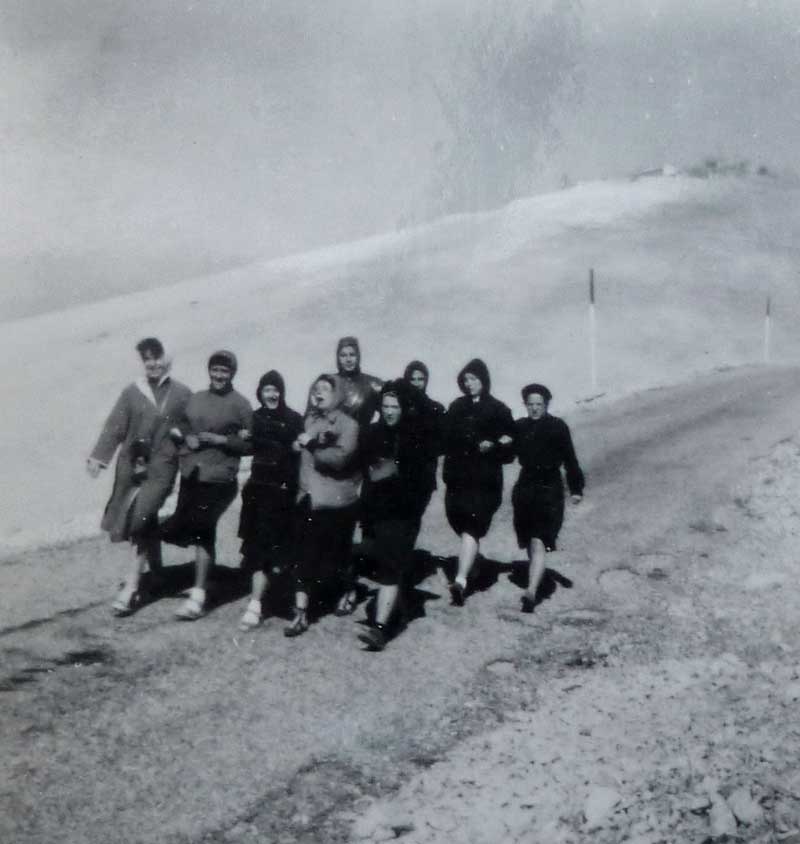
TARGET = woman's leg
x,y
341,547
385,603
194,606
536,556
146,552
259,583
300,621
466,560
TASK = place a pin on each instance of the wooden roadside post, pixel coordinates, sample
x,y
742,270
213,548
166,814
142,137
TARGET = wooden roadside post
x,y
592,333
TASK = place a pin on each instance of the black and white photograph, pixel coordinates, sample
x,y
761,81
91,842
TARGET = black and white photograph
x,y
401,435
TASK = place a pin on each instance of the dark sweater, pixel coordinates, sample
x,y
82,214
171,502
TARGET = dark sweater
x,y
429,416
466,424
543,446
404,495
274,461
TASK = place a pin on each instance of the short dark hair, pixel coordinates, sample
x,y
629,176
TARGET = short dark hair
x,y
151,346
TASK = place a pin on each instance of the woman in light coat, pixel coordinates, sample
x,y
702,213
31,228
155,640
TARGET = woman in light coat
x,y
137,429
327,498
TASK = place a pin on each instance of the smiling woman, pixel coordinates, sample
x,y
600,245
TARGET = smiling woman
x,y
213,436
138,426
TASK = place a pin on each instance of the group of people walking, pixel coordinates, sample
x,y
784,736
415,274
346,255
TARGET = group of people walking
x,y
364,451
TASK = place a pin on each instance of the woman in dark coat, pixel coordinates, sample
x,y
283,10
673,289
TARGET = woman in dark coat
x,y
269,494
327,498
478,439
147,463
431,417
397,452
212,437
543,444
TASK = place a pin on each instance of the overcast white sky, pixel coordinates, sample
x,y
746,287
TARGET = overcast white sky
x,y
146,140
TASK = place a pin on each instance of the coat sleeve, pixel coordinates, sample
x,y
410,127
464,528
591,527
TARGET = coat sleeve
x,y
235,444
114,430
505,428
575,478
337,456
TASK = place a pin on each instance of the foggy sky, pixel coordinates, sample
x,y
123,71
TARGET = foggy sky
x,y
145,141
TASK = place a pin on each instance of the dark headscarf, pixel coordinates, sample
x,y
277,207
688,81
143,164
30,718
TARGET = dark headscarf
x,y
400,388
416,366
353,343
540,389
274,379
223,357
479,369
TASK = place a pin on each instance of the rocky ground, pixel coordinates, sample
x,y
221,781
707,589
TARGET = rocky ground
x,y
651,697
668,712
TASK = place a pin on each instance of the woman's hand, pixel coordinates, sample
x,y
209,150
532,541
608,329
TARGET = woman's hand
x,y
93,467
207,438
303,439
192,442
576,499
505,440
244,434
485,446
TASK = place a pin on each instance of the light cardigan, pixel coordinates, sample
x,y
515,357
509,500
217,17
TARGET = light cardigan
x,y
329,473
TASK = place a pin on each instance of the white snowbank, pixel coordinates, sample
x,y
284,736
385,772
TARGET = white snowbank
x,y
682,269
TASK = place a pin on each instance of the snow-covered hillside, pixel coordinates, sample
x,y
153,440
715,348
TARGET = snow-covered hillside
x,y
683,267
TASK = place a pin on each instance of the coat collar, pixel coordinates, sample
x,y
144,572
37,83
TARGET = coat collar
x,y
143,385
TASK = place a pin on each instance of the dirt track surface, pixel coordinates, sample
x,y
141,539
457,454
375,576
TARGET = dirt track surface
x,y
655,700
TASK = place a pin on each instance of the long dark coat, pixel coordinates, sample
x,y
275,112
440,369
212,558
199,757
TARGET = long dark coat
x,y
475,480
133,507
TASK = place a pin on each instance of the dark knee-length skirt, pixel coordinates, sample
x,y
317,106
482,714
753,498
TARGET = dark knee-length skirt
x,y
471,509
323,540
265,526
391,544
538,513
199,508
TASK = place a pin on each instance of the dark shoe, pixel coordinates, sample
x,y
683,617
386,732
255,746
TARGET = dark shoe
x,y
528,602
456,594
373,637
347,603
298,626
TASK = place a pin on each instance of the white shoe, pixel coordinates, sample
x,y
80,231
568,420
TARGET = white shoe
x,y
193,607
252,617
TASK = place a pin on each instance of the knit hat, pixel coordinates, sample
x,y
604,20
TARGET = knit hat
x,y
223,357
416,366
540,389
275,379
479,369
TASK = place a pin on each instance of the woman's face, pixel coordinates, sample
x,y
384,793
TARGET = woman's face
x,y
417,379
536,406
472,384
271,396
322,395
348,359
391,410
154,367
220,376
